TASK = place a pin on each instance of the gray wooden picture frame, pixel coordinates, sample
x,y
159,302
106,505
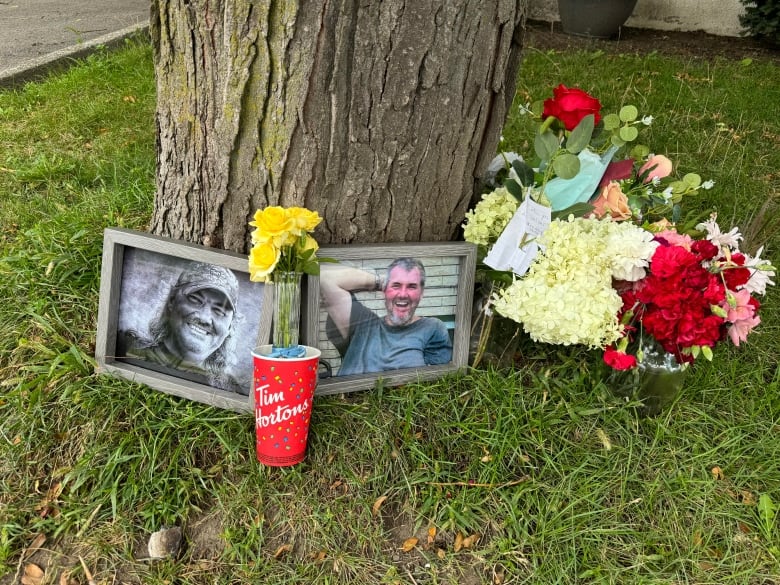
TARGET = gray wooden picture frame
x,y
146,267
450,268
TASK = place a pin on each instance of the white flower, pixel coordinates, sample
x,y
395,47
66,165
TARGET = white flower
x,y
647,120
567,295
707,185
714,235
489,217
760,273
668,192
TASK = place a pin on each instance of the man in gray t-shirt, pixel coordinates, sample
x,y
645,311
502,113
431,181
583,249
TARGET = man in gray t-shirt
x,y
369,343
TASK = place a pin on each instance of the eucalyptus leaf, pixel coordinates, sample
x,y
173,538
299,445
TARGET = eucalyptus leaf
x,y
611,122
629,133
692,180
581,135
546,145
628,113
566,166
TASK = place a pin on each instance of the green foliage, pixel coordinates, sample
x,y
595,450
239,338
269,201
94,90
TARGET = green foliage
x,y
761,20
559,478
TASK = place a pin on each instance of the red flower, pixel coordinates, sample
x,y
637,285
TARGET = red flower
x,y
736,277
618,359
570,106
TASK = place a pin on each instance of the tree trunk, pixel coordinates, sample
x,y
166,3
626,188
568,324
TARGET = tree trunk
x,y
379,115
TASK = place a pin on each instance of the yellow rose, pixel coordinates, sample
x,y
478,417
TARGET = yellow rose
x,y
272,223
304,219
309,243
263,258
613,202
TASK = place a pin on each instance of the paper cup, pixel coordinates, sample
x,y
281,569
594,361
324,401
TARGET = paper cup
x,y
283,395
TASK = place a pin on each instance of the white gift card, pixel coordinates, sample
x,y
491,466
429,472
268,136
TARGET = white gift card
x,y
516,247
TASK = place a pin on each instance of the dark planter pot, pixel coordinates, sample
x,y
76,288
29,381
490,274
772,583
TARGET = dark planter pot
x,y
594,18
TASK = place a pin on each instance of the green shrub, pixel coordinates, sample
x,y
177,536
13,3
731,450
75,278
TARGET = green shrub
x,y
762,20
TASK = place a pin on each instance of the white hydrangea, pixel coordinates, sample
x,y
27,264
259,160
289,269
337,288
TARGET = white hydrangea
x,y
567,295
489,217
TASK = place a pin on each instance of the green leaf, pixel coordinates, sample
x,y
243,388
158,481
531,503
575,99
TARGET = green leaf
x,y
766,510
566,166
524,172
514,189
692,180
611,122
639,151
629,113
706,351
629,133
581,135
577,210
546,145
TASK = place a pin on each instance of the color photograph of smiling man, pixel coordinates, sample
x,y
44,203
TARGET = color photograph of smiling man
x,y
400,338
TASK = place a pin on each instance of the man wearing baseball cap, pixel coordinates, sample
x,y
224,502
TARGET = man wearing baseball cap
x,y
193,331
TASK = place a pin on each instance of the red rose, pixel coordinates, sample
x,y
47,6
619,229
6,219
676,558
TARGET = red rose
x,y
570,106
618,360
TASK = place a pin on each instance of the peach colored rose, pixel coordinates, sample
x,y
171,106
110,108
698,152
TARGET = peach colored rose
x,y
612,201
659,167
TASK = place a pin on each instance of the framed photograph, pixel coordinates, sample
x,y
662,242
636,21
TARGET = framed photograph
x,y
180,318
392,312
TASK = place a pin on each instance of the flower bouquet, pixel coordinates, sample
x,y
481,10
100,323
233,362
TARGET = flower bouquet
x,y
282,250
586,246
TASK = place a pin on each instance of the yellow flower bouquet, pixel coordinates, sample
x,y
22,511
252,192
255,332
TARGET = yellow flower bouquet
x,y
282,240
282,251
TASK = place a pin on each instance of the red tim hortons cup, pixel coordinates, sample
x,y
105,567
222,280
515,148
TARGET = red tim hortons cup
x,y
283,395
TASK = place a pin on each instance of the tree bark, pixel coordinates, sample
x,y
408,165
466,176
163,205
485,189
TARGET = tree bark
x,y
379,115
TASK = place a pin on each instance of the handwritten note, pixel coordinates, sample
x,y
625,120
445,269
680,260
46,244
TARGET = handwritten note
x,y
516,247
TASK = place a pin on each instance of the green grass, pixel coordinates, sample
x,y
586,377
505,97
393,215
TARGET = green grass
x,y
560,479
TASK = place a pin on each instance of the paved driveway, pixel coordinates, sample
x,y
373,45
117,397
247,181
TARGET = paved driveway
x,y
36,33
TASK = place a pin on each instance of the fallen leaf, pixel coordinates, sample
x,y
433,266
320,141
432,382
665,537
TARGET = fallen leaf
x,y
498,576
36,544
441,553
336,484
747,497
282,550
33,575
743,528
378,504
697,539
717,473
458,542
470,541
431,534
409,544
604,439
319,556
129,98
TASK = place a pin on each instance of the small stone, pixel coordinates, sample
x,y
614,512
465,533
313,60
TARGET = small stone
x,y
164,543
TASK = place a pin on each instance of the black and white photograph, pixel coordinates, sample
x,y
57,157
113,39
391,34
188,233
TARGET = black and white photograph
x,y
182,316
396,312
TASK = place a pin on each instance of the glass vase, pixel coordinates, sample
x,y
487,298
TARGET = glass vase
x,y
655,382
287,309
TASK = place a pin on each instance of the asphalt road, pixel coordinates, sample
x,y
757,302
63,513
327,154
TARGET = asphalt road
x,y
37,35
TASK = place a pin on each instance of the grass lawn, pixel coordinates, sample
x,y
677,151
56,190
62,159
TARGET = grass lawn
x,y
538,474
